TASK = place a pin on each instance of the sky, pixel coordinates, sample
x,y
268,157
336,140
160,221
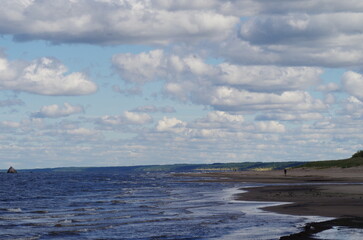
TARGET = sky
x,y
139,82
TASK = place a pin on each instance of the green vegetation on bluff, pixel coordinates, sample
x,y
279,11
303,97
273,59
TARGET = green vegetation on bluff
x,y
219,166
358,154
244,166
355,161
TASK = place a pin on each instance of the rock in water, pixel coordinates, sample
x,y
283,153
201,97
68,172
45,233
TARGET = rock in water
x,y
12,170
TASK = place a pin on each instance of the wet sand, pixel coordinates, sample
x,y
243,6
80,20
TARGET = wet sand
x,y
333,192
311,200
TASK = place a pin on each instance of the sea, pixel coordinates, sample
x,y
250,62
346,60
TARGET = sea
x,y
138,205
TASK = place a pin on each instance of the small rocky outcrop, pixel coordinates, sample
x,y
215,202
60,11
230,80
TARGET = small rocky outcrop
x,y
12,170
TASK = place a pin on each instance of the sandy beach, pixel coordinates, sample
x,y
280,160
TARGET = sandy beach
x,y
333,192
321,200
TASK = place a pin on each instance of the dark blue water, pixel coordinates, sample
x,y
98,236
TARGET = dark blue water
x,y
114,205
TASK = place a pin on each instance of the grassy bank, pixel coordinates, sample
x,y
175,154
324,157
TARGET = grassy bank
x,y
355,161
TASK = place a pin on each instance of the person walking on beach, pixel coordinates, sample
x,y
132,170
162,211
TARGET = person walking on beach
x,y
285,171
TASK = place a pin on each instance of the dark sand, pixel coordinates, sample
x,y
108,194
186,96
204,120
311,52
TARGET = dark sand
x,y
333,192
311,200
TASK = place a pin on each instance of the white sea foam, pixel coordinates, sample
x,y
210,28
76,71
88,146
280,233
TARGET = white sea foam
x,y
65,221
337,233
15,210
263,225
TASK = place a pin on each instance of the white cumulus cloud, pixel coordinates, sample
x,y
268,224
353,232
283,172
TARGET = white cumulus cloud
x,y
126,118
270,126
137,118
269,78
219,116
231,99
353,107
44,76
353,84
224,86
57,111
170,125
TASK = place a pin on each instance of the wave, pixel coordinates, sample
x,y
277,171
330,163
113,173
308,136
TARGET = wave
x,y
14,210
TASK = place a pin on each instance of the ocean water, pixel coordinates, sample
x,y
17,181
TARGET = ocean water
x,y
113,205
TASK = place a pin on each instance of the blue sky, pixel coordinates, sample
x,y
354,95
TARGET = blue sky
x,y
131,82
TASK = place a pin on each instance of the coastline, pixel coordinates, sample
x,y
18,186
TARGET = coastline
x,y
332,192
327,200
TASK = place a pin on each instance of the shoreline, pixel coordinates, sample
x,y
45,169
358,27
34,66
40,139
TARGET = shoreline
x,y
325,200
334,192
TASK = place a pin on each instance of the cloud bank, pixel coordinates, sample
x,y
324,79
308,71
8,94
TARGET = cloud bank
x,y
110,22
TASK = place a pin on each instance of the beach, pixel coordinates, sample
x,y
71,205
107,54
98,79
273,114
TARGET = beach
x,y
322,200
331,192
